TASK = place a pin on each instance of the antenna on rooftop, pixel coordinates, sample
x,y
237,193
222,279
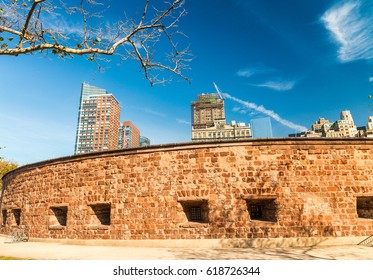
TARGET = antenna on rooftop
x,y
218,91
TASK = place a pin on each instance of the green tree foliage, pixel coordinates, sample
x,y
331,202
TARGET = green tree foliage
x,y
5,167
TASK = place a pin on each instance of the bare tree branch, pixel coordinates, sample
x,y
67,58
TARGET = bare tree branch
x,y
15,32
43,26
25,26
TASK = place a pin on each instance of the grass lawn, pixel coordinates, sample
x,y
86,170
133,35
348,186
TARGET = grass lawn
x,y
10,258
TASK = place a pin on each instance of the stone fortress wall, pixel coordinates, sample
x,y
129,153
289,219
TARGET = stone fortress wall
x,y
213,190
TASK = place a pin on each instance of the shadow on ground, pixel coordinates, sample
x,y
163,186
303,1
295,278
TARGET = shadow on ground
x,y
249,253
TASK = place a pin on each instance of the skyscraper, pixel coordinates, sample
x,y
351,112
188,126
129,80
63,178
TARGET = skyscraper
x,y
144,141
98,120
261,127
206,110
209,123
129,136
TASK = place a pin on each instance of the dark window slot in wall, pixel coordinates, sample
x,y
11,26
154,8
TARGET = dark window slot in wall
x,y
5,216
196,211
17,216
364,207
262,209
58,216
102,213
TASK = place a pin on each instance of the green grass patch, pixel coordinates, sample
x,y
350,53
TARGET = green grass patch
x,y
10,258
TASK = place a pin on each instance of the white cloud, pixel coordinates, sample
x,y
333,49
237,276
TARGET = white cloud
x,y
152,112
183,121
371,79
278,85
244,111
248,72
351,26
269,113
245,72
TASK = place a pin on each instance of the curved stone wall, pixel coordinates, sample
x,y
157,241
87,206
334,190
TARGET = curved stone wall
x,y
237,189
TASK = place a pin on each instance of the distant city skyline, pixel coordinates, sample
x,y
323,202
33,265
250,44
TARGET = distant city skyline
x,y
343,127
293,61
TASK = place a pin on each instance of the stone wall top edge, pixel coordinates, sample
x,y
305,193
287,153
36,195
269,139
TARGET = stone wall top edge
x,y
193,145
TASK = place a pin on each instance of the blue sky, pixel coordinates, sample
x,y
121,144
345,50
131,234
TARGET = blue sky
x,y
292,60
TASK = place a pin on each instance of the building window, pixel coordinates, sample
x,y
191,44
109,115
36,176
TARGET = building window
x,y
101,214
17,216
262,209
196,211
256,212
4,214
58,216
364,207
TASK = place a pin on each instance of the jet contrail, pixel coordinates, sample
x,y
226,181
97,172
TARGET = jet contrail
x,y
270,113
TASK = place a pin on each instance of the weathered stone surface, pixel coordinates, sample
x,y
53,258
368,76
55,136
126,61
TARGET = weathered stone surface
x,y
318,186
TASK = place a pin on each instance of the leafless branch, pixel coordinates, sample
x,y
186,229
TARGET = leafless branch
x,y
42,26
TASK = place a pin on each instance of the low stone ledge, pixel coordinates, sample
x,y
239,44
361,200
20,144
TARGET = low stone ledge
x,y
192,199
365,221
193,225
98,227
57,227
263,223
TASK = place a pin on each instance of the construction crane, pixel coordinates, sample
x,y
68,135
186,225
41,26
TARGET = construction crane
x,y
218,91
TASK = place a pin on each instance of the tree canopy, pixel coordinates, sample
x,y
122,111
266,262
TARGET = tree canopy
x,y
5,167
41,26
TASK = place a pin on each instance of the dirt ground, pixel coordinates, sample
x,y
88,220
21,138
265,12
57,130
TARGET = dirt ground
x,y
57,251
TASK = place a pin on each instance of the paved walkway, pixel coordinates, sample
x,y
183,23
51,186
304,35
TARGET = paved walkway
x,y
56,251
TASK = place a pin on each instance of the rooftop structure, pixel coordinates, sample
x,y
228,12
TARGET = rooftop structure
x,y
317,126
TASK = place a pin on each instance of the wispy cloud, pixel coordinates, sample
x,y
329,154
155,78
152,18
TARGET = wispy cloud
x,y
236,109
182,121
248,72
277,85
245,73
244,111
351,26
371,79
152,112
269,113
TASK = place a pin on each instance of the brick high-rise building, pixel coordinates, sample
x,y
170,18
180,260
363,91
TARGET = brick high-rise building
x,y
98,121
129,136
206,110
209,123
